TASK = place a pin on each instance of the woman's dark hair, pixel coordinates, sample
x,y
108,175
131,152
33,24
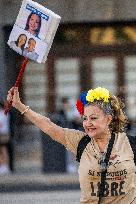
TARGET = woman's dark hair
x,y
17,41
39,26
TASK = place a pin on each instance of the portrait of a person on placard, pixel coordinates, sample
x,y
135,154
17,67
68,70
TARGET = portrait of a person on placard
x,y
29,51
19,44
33,24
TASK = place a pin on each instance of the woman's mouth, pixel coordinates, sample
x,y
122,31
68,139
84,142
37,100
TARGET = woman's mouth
x,y
91,129
32,26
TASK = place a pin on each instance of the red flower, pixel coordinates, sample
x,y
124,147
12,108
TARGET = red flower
x,y
80,107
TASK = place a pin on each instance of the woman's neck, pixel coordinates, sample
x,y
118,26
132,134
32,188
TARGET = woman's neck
x,y
32,31
102,142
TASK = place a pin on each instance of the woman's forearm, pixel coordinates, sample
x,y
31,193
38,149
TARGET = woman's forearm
x,y
42,122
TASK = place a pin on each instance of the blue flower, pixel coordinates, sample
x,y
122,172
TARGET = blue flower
x,y
83,98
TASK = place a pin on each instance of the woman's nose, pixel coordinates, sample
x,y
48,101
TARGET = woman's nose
x,y
89,122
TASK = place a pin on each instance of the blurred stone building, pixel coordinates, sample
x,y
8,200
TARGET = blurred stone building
x,y
95,45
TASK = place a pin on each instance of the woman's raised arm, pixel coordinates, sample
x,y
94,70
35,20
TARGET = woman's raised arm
x,y
54,131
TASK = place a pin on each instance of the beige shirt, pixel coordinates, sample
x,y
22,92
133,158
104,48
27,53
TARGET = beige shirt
x,y
121,177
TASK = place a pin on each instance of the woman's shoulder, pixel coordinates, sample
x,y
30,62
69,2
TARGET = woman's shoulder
x,y
73,138
123,135
125,140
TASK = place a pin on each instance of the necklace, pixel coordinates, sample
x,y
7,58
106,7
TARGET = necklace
x,y
96,156
100,157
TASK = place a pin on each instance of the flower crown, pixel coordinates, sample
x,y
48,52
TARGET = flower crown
x,y
97,94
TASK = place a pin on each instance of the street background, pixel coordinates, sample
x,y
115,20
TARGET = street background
x,y
56,197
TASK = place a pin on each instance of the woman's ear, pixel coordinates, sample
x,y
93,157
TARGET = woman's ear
x,y
109,118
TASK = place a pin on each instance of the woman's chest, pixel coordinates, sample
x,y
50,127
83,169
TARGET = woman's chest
x,y
120,172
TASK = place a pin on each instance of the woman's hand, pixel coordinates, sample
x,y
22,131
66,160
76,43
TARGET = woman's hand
x,y
13,96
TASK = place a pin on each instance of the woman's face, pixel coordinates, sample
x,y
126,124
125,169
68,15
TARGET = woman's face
x,y
33,22
22,40
95,122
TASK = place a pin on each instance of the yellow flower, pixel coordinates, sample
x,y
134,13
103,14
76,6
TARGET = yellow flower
x,y
98,94
90,96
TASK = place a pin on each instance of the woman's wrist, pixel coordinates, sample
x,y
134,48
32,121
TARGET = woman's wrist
x,y
21,107
25,111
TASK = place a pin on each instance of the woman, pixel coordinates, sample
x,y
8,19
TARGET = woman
x,y
19,44
33,24
102,118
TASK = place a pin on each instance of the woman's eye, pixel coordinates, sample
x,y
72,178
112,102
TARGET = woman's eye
x,y
83,118
93,118
90,119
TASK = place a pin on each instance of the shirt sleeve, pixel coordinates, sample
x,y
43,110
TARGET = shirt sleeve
x,y
72,138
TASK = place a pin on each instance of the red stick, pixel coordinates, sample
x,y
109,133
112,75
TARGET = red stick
x,y
17,83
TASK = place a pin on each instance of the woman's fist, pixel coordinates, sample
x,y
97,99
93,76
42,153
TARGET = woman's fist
x,y
13,96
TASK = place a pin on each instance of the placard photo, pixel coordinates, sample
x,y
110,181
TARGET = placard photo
x,y
34,30
27,45
33,20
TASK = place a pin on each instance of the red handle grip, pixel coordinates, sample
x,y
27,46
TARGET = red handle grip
x,y
8,104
